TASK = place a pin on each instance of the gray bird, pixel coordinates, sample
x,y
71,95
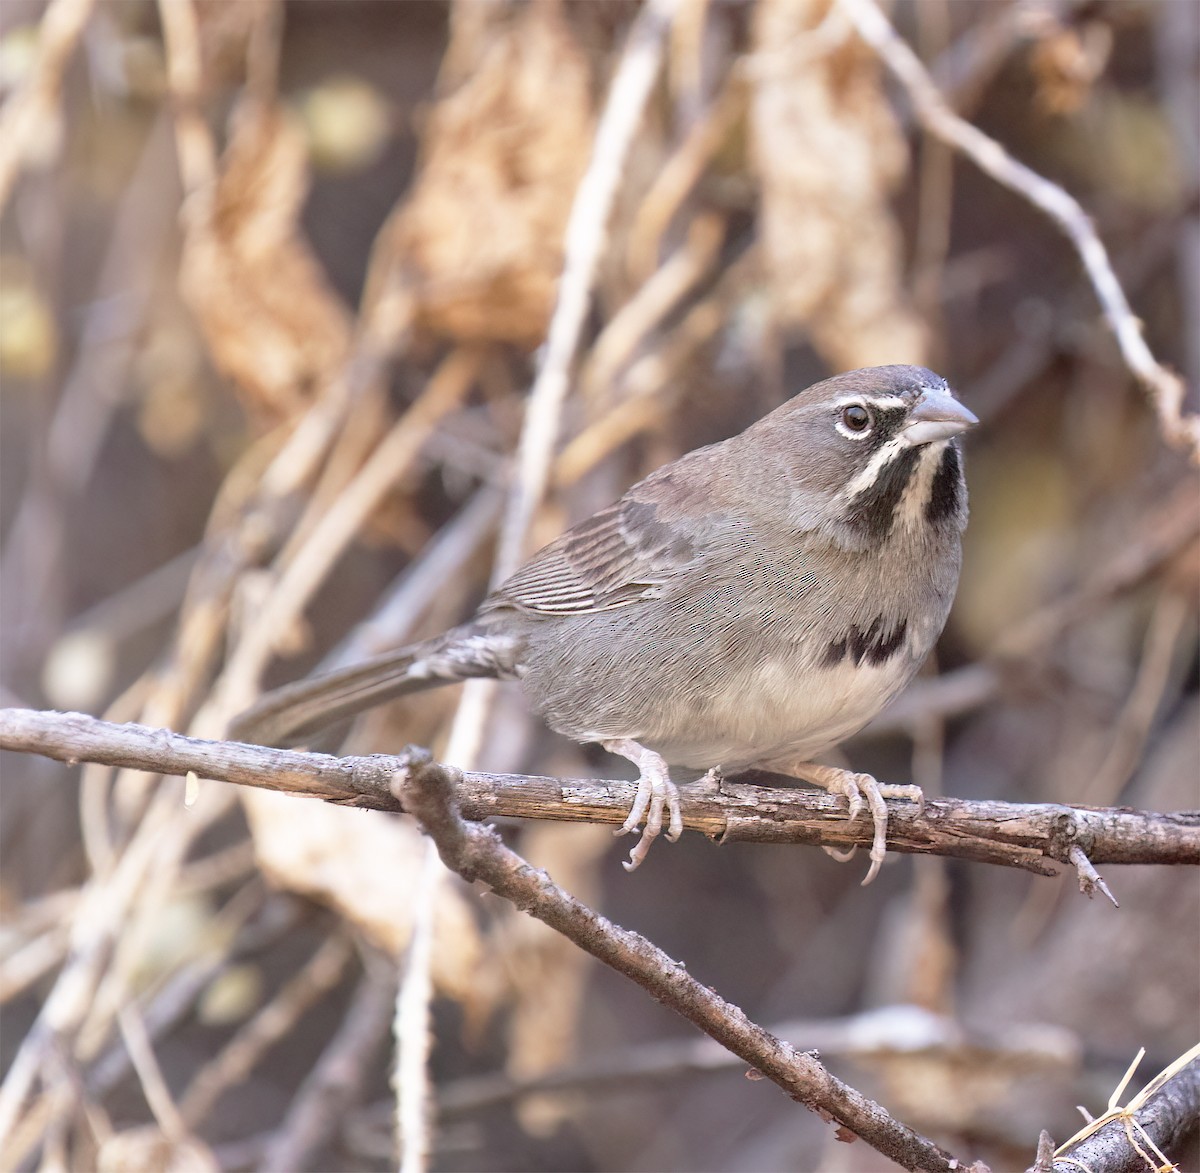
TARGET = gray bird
x,y
750,604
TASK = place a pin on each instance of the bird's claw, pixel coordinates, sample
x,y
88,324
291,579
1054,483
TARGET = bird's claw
x,y
860,790
656,793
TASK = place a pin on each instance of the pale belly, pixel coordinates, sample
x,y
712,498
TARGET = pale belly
x,y
780,712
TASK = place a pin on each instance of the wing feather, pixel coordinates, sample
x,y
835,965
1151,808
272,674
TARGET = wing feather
x,y
617,557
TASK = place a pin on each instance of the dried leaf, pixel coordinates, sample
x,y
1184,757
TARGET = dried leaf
x,y
272,322
1067,63
147,1150
829,153
479,241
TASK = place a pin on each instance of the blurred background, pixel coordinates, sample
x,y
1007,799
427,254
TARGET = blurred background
x,y
273,277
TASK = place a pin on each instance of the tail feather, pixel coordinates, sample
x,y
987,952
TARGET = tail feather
x,y
289,714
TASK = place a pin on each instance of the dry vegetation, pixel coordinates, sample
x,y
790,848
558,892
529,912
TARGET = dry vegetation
x,y
273,280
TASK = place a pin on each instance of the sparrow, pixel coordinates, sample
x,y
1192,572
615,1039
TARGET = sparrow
x,y
748,605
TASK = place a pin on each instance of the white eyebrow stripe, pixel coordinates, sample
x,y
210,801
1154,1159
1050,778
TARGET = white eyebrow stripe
x,y
873,400
870,474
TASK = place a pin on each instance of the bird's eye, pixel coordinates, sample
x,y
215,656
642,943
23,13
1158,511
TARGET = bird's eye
x,y
856,418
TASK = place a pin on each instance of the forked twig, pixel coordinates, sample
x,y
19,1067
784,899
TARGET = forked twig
x,y
1164,388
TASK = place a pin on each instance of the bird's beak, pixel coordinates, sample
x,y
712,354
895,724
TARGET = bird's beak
x,y
937,416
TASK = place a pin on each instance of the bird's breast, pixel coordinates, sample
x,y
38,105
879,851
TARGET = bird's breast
x,y
782,708
779,651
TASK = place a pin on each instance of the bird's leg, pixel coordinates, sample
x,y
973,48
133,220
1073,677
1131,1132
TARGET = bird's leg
x,y
859,788
655,791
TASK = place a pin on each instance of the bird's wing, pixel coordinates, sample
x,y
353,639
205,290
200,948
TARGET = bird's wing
x,y
619,556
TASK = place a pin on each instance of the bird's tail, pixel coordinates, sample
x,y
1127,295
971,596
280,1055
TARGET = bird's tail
x,y
289,714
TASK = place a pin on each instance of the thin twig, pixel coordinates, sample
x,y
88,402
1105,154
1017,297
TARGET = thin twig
x,y
413,1029
1022,835
309,568
30,114
587,228
154,1085
1177,44
1090,880
871,1037
1157,666
422,582
273,1022
185,73
1164,388
178,995
103,914
645,311
89,399
25,965
315,1113
477,853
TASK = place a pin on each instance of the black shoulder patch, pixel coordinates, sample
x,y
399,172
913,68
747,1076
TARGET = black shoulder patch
x,y
946,489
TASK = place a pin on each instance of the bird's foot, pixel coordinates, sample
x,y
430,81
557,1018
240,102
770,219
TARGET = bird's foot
x,y
655,793
861,789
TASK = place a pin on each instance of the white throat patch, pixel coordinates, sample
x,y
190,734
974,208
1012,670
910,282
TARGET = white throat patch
x,y
920,486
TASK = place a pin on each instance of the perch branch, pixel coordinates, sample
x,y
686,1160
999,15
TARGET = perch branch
x,y
476,853
1022,835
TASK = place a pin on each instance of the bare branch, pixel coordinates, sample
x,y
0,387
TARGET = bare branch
x,y
230,1066
29,118
476,853
871,1037
1022,835
412,1028
587,230
1164,388
315,1113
